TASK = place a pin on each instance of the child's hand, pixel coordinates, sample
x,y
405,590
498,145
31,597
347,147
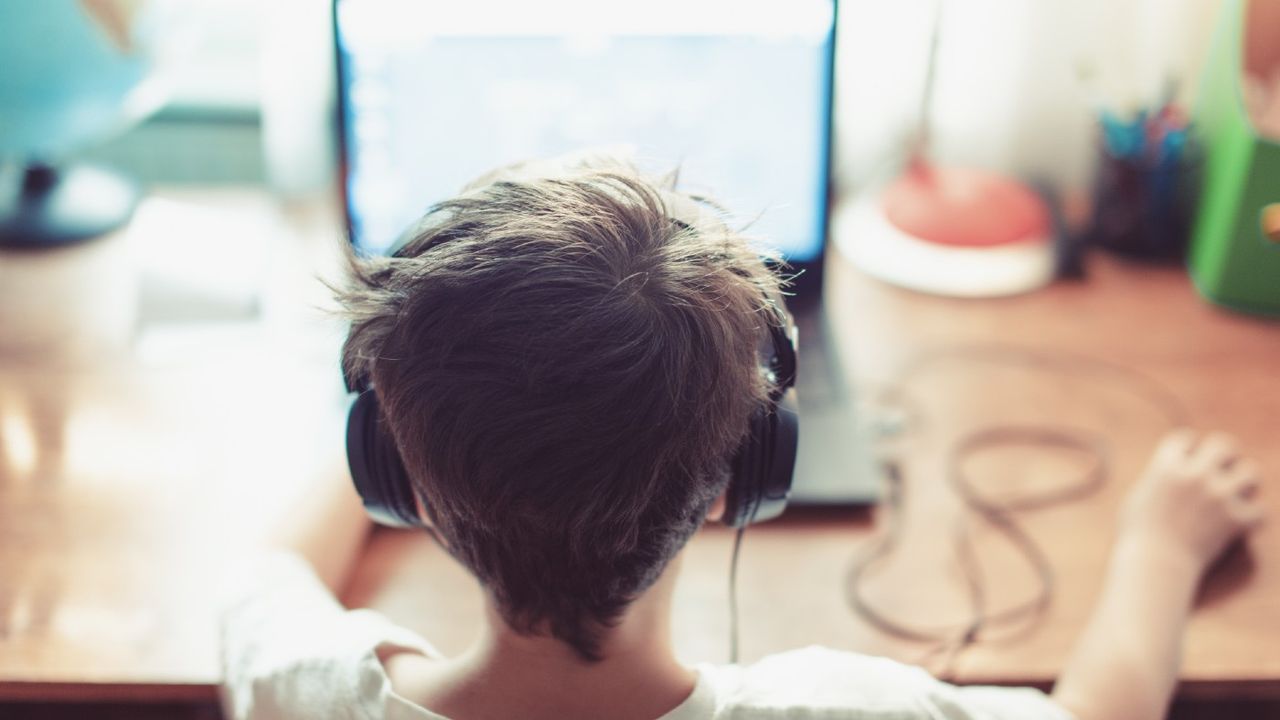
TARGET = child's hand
x,y
1196,496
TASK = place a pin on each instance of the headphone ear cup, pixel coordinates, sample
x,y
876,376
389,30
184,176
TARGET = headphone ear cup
x,y
376,468
763,468
782,460
742,493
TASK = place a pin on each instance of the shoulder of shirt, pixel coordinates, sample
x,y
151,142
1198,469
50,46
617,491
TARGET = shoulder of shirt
x,y
821,682
289,649
820,679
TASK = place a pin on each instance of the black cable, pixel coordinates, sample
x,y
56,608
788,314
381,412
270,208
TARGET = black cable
x,y
950,640
733,595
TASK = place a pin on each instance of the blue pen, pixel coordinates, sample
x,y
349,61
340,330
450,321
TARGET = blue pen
x,y
1171,146
1125,138
1110,132
1165,174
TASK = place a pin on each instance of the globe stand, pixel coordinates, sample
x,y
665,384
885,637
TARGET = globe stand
x,y
55,207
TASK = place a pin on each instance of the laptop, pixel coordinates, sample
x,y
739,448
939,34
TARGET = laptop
x,y
737,95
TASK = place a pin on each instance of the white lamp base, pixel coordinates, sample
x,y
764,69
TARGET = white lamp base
x,y
882,250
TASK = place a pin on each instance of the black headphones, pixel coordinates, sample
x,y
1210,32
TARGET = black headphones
x,y
761,470
764,466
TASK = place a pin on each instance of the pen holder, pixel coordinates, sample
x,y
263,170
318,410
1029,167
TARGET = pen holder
x,y
1144,204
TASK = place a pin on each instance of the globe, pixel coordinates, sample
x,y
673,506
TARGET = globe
x,y
72,72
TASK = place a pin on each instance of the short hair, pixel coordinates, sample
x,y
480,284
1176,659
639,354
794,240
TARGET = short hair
x,y
566,369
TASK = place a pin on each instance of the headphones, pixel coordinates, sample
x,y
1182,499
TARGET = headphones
x,y
761,470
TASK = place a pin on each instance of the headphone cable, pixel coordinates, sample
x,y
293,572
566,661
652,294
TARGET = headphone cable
x,y
949,641
733,594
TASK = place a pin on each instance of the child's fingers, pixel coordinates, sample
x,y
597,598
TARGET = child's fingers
x,y
1240,480
1248,513
1218,450
1238,485
1176,445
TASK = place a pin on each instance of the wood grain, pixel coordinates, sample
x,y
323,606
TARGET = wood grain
x,y
150,430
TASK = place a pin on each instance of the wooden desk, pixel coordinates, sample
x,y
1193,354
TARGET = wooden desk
x,y
141,451
156,410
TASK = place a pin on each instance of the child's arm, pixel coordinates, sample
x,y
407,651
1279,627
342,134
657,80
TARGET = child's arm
x,y
328,526
1193,500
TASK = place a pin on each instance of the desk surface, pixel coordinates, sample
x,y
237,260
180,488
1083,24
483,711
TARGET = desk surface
x,y
148,432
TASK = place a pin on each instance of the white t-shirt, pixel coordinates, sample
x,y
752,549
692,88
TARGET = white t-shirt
x,y
291,651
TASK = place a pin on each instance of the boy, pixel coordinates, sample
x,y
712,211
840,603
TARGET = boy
x,y
567,359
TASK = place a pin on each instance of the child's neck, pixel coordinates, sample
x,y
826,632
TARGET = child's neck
x,y
505,674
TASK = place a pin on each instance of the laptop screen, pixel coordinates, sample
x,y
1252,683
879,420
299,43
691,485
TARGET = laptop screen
x,y
735,93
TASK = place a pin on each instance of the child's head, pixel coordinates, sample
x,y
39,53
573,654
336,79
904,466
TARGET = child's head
x,y
567,363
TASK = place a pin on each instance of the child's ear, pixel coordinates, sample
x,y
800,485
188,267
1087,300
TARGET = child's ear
x,y
427,523
716,513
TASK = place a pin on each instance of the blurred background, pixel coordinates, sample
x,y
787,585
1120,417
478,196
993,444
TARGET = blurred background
x,y
1016,96
1017,91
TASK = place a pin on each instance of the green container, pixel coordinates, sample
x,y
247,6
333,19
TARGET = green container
x,y
1233,260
